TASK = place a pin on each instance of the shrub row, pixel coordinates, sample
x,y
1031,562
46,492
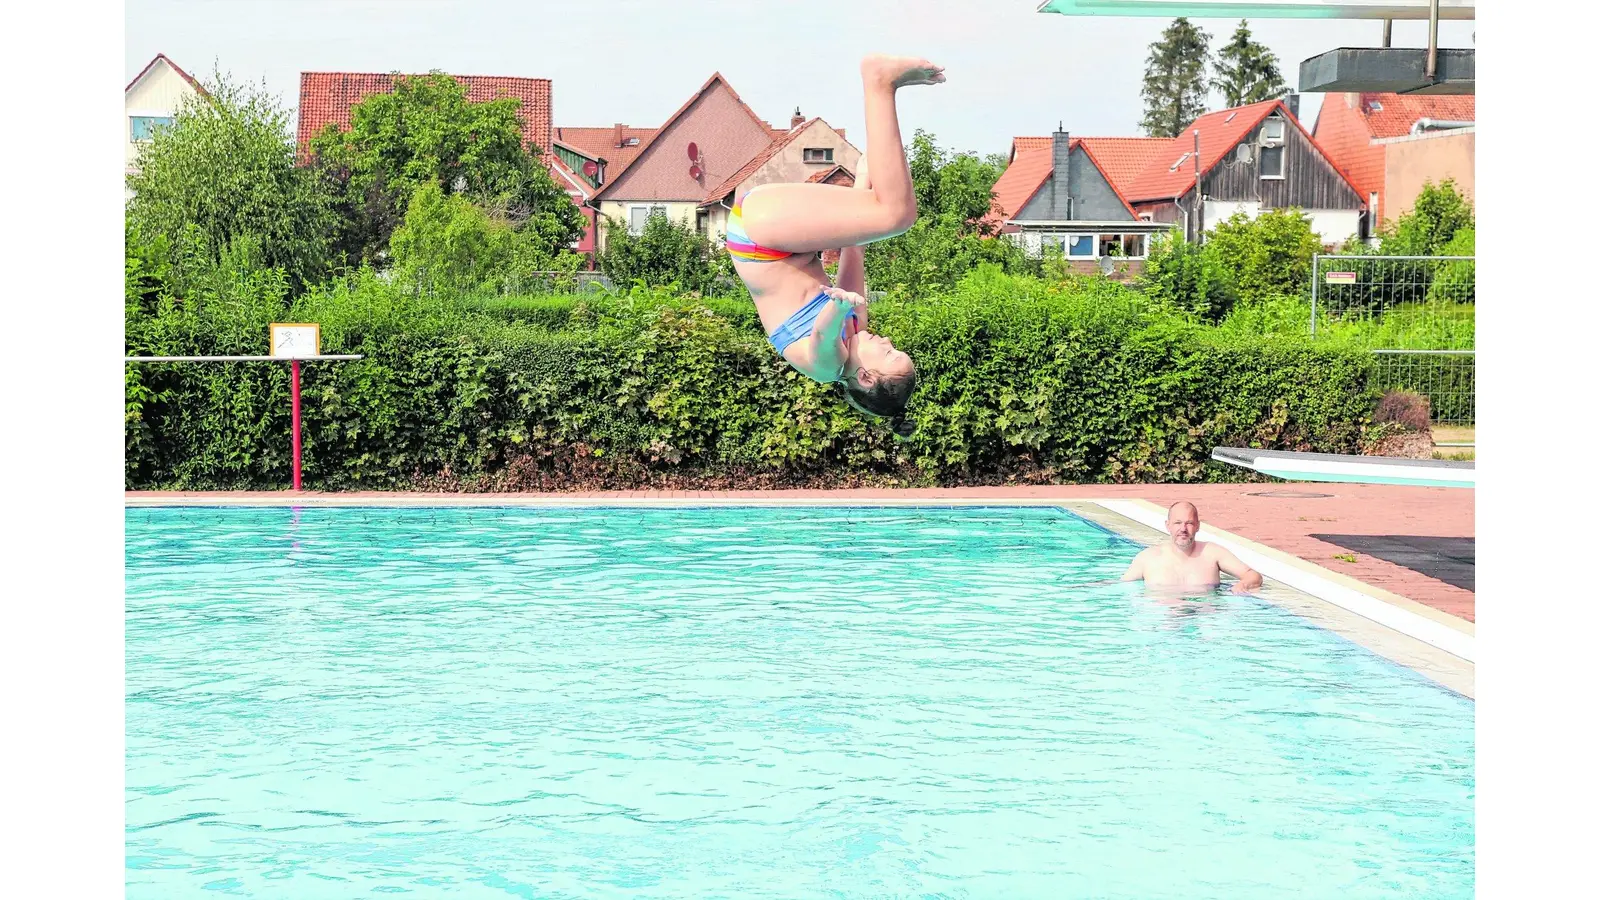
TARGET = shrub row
x,y
1020,380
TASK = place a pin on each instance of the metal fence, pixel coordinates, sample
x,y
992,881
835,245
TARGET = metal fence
x,y
1416,314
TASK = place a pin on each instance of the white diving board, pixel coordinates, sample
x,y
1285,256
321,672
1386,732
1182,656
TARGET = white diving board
x,y
1333,467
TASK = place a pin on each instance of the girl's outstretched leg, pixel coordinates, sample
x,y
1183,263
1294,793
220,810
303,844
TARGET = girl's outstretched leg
x,y
807,218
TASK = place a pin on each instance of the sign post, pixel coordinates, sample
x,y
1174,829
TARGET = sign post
x,y
294,341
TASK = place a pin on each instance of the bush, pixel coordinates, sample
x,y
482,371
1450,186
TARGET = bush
x,y
1456,280
225,172
449,244
1407,409
668,254
1021,380
1188,277
1265,256
1439,212
936,254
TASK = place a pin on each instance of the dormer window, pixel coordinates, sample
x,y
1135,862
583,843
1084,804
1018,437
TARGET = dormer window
x,y
1180,162
819,154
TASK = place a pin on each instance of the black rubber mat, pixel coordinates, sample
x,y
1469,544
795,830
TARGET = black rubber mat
x,y
1452,560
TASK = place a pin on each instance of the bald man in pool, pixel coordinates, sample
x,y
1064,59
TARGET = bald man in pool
x,y
1184,562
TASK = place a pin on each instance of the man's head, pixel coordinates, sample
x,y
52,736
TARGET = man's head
x,y
878,379
1183,523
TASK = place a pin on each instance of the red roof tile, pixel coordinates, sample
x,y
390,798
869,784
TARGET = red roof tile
x,y
327,97
1348,124
1345,137
1121,159
1031,164
1392,115
836,175
601,143
1033,160
1163,178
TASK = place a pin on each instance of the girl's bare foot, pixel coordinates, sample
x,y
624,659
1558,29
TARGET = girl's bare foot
x,y
899,71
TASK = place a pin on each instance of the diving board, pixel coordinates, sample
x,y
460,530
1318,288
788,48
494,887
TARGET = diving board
x,y
1335,467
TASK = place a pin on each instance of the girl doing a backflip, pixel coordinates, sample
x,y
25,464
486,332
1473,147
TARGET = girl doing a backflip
x,y
777,232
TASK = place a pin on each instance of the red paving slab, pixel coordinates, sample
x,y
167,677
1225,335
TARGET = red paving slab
x,y
1283,523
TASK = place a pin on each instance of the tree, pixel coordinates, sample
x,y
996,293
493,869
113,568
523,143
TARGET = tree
x,y
448,243
958,184
1189,277
1266,256
225,172
955,194
1175,79
427,131
1246,71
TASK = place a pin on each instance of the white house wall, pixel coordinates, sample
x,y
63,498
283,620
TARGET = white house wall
x,y
159,93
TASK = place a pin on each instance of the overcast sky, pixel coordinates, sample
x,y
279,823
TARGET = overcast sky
x,y
1012,71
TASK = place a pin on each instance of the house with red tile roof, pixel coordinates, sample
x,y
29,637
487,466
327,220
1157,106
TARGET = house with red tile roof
x,y
1250,158
151,100
1392,144
1061,193
689,168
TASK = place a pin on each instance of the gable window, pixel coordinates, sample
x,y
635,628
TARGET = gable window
x,y
1271,165
819,154
639,216
1271,162
143,128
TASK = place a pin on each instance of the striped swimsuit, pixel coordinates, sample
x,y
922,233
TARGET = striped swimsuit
x,y
740,246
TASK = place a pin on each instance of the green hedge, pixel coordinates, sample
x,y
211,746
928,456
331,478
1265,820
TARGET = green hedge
x,y
1021,380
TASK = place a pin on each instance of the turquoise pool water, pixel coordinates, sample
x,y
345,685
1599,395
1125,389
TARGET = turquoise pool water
x,y
696,703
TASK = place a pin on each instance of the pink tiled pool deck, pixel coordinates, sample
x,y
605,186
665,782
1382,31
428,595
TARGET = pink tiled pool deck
x,y
1286,523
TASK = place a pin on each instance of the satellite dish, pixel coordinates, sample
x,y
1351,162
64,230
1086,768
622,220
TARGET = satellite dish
x,y
695,172
590,169
1107,266
694,151
1242,154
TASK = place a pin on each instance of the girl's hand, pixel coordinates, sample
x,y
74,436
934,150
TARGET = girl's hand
x,y
846,299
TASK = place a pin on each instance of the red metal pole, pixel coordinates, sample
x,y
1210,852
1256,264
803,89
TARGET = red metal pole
x,y
294,413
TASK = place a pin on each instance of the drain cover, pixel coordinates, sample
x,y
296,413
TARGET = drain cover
x,y
1291,495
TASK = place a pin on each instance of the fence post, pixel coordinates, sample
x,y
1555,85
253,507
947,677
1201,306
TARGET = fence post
x,y
1316,266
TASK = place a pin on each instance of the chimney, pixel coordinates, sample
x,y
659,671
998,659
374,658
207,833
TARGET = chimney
x,y
796,120
616,135
1293,102
1060,161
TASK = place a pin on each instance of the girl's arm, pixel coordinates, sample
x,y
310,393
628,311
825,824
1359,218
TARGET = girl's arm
x,y
828,352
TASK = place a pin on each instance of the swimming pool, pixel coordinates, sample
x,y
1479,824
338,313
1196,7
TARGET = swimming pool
x,y
753,702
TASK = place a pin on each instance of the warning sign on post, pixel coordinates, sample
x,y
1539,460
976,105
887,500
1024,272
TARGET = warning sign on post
x,y
295,340
1341,278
